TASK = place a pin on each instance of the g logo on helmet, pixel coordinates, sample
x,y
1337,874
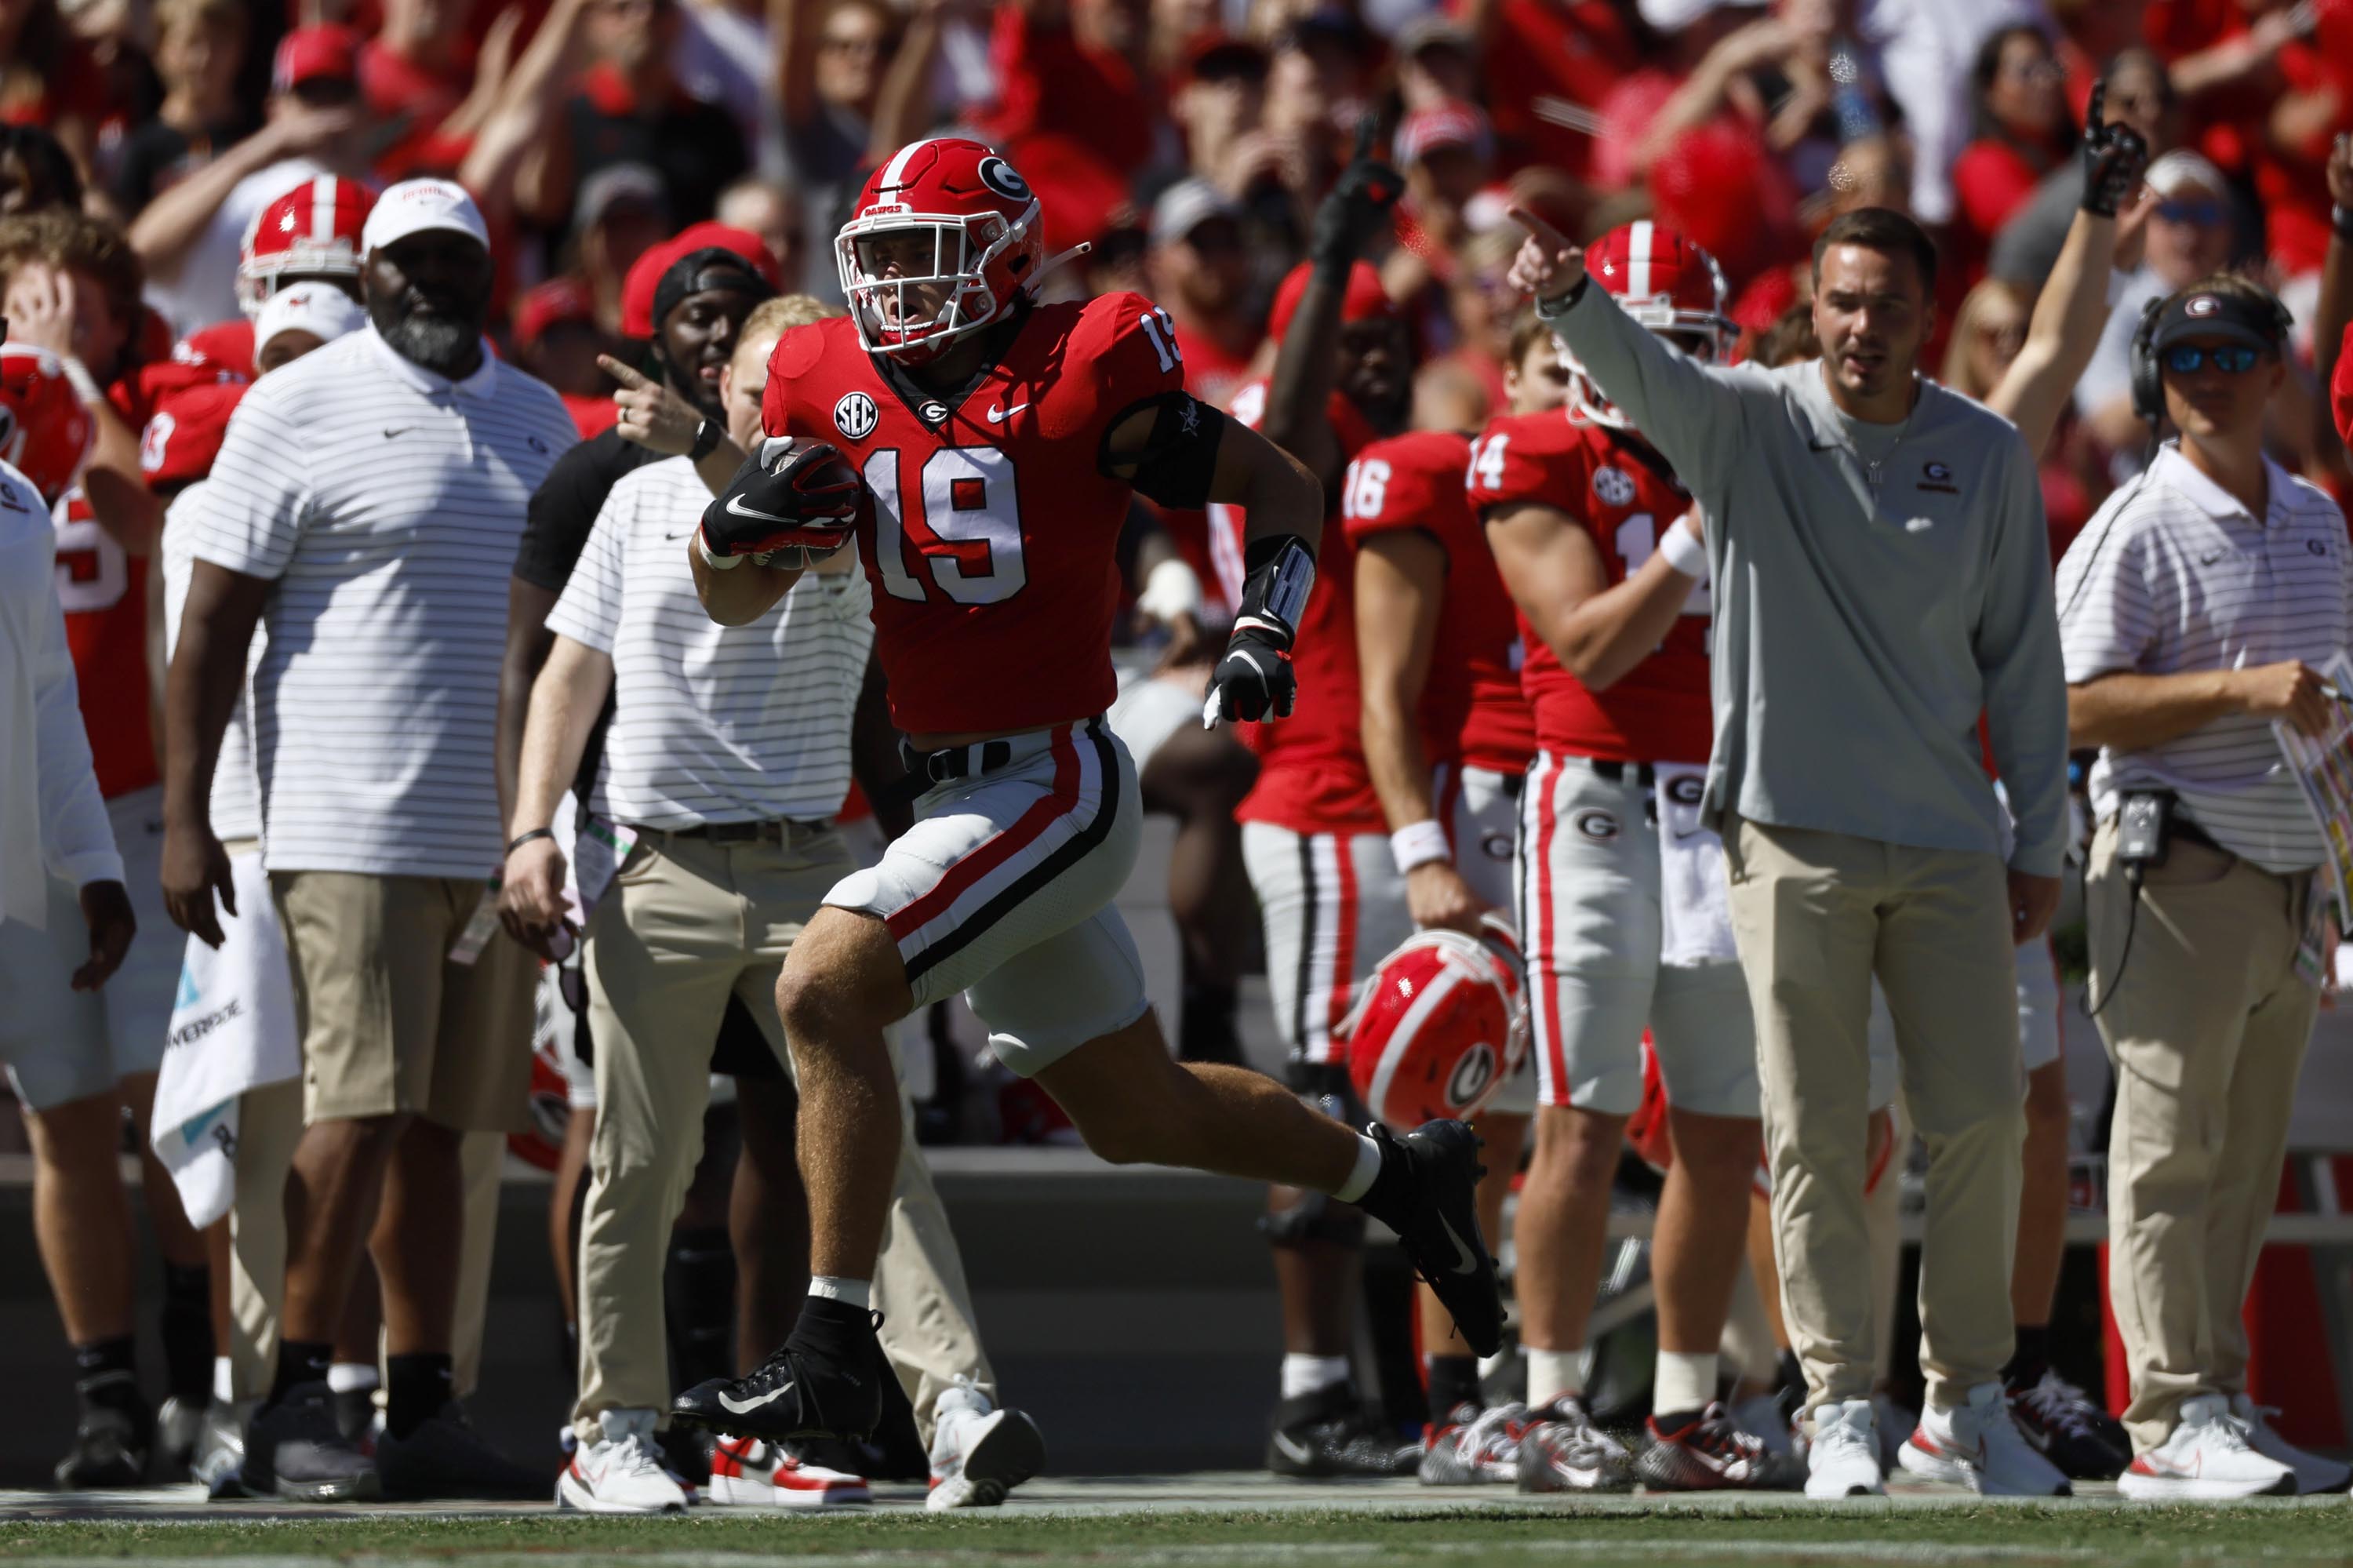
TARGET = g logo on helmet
x,y
2203,305
855,416
1001,177
1468,1085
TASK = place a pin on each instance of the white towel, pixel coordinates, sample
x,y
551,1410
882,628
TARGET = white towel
x,y
232,1030
1694,900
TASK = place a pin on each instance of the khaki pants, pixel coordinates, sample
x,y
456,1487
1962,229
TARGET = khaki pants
x,y
1816,916
2207,1027
688,923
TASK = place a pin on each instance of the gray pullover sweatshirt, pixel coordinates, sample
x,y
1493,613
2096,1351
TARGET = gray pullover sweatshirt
x,y
1877,587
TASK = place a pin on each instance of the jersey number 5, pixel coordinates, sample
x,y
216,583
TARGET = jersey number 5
x,y
967,526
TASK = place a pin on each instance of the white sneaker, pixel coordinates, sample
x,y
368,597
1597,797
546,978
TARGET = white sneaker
x,y
2312,1472
748,1473
2207,1459
1843,1460
979,1453
1978,1445
621,1472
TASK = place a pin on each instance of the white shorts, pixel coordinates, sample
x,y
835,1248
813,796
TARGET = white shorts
x,y
61,1044
1332,906
1590,922
1481,810
2037,1021
1002,890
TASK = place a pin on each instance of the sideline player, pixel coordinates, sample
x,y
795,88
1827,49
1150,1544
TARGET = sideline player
x,y
998,442
1600,545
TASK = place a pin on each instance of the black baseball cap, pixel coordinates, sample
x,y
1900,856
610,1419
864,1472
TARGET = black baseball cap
x,y
2201,313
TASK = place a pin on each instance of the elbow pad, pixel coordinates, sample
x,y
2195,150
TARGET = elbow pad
x,y
1274,595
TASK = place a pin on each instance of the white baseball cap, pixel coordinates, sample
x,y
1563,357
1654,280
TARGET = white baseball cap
x,y
417,207
324,310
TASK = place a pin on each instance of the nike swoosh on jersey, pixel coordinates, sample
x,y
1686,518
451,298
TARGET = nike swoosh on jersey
x,y
736,505
746,1406
998,416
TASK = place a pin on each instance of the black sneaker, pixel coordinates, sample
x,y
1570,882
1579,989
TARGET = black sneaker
x,y
110,1447
1711,1455
446,1459
1561,1450
2062,1424
294,1451
824,1382
1432,1204
1329,1433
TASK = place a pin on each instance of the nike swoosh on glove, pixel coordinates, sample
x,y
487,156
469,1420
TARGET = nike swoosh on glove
x,y
1253,681
789,495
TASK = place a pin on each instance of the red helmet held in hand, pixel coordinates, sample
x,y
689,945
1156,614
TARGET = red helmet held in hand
x,y
311,231
1667,284
45,434
1441,1026
945,238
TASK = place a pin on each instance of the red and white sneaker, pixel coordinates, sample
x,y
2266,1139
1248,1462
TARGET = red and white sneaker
x,y
1713,1454
746,1472
2208,1458
1474,1448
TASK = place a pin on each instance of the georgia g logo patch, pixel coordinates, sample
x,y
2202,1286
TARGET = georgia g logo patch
x,y
855,416
1614,485
999,177
1597,825
1472,1075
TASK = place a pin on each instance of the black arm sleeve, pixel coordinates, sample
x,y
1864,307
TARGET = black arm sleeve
x,y
1178,458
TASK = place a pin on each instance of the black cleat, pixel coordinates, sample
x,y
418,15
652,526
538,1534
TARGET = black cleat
x,y
294,1451
2061,1423
823,1383
1330,1433
1428,1193
110,1447
445,1459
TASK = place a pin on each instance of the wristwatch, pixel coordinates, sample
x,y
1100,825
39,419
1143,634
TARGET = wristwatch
x,y
706,439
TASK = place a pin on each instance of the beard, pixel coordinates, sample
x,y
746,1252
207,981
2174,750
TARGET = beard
x,y
440,345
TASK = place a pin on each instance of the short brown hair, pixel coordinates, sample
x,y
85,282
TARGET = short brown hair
x,y
1789,340
1526,331
1885,230
785,311
70,241
171,13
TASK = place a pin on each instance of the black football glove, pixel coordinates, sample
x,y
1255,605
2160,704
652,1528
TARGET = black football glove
x,y
788,496
1255,681
2114,159
1357,208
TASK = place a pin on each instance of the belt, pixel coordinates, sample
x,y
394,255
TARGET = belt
x,y
1646,775
950,763
777,831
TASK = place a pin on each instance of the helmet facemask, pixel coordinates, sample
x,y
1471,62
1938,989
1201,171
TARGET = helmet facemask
x,y
891,314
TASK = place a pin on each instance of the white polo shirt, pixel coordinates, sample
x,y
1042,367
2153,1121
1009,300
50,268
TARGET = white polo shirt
x,y
385,502
2174,574
711,723
237,790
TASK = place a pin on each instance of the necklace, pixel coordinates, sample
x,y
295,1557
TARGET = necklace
x,y
1872,466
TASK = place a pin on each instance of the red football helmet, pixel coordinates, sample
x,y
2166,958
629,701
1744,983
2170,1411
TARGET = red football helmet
x,y
979,223
45,432
1667,284
1440,1026
311,231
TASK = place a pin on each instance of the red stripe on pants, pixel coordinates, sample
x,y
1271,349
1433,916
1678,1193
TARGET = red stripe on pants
x,y
1025,831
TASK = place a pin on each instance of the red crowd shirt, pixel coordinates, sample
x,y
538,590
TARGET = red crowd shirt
x,y
1051,83
1472,709
1547,53
1658,711
991,540
2341,388
104,593
1311,777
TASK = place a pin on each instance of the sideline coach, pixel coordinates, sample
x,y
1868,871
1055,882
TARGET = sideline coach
x,y
1881,578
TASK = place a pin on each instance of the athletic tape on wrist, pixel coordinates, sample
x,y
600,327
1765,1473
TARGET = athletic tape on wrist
x,y
1419,843
1682,552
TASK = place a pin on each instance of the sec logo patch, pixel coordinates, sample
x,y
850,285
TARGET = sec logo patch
x,y
855,416
1614,485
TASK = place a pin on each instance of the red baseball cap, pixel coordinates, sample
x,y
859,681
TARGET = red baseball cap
x,y
184,435
324,53
1365,299
645,273
1449,124
550,305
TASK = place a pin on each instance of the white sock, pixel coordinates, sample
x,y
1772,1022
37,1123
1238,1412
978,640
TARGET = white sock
x,y
1312,1374
348,1377
224,1381
850,1292
1682,1381
1552,1374
1360,1180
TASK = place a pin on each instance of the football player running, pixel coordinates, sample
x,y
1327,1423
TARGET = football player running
x,y
998,442
1600,545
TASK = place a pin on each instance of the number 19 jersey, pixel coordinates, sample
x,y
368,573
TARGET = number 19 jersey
x,y
991,542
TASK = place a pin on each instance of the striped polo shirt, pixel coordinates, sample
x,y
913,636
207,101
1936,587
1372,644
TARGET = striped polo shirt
x,y
236,791
2174,574
385,502
711,723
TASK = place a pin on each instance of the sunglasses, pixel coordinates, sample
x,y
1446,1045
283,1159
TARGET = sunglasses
x,y
2198,212
2235,359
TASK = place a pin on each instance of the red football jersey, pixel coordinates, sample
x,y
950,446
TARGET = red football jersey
x,y
1658,712
104,592
1311,777
1473,710
991,542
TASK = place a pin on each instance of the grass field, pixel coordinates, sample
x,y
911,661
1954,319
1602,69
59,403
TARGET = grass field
x,y
1768,1535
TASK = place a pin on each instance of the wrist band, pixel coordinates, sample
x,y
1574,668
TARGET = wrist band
x,y
520,839
716,563
1682,552
706,439
1546,310
1419,843
2340,218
